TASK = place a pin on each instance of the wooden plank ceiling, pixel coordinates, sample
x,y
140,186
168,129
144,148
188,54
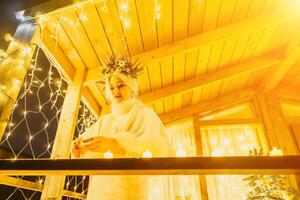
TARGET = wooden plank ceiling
x,y
192,50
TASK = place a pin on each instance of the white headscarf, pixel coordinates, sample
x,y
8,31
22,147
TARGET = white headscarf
x,y
132,83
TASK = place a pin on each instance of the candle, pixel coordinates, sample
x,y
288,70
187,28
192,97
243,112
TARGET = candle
x,y
108,154
276,152
147,154
180,153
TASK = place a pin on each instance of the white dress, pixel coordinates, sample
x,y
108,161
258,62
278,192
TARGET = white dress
x,y
137,129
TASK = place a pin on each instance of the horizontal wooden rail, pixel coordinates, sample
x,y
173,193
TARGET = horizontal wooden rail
x,y
153,166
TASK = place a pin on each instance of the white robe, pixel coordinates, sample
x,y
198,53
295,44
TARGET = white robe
x,y
137,129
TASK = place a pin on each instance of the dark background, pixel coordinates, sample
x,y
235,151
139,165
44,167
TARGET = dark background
x,y
8,21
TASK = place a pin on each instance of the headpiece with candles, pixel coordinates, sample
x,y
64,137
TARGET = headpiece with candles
x,y
126,70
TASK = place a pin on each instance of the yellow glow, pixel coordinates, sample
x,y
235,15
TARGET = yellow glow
x,y
180,153
276,152
8,37
217,152
147,154
124,7
108,154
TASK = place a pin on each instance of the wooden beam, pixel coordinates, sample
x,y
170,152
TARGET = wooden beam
x,y
291,55
35,186
199,148
278,73
192,43
247,67
288,93
91,102
260,21
154,166
64,134
209,105
55,6
229,122
293,121
57,56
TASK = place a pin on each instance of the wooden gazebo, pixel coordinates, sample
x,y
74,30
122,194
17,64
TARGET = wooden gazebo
x,y
201,57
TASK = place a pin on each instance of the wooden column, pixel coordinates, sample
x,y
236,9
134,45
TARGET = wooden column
x,y
276,128
198,139
54,185
13,70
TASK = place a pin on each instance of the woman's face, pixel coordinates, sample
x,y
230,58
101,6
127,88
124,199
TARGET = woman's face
x,y
120,91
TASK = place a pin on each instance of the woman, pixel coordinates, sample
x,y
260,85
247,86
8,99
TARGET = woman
x,y
130,130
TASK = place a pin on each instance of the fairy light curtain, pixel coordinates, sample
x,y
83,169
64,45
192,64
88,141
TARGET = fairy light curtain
x,y
33,122
232,140
182,141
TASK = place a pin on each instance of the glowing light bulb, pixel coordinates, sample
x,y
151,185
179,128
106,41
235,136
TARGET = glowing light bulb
x,y
226,141
21,62
108,154
41,181
217,153
127,23
147,154
25,51
25,113
83,17
8,37
240,138
214,140
124,7
30,138
181,153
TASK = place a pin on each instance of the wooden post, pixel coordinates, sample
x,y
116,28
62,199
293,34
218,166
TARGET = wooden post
x,y
13,70
277,129
198,139
54,185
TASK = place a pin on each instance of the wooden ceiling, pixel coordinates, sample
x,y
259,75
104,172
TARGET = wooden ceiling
x,y
192,50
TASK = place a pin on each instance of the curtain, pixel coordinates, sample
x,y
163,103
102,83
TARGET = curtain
x,y
233,140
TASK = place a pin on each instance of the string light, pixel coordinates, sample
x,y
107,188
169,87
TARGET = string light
x,y
8,37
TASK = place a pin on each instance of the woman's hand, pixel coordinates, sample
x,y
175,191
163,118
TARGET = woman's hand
x,y
77,148
102,144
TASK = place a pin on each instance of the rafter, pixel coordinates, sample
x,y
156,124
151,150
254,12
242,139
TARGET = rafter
x,y
192,43
209,105
57,56
247,67
292,54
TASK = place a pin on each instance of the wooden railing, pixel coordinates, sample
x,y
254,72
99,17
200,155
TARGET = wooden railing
x,y
153,166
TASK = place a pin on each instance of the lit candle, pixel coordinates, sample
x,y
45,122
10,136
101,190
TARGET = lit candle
x,y
276,152
147,154
108,154
180,153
